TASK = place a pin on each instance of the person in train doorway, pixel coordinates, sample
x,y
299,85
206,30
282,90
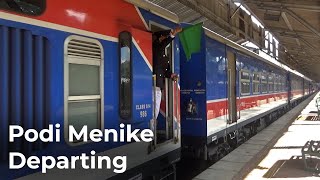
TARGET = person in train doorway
x,y
161,66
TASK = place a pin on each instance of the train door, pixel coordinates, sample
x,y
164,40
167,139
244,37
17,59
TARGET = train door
x,y
303,87
288,87
232,97
164,123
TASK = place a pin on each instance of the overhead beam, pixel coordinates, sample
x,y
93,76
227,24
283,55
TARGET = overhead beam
x,y
311,47
290,33
297,37
292,14
204,11
286,20
296,5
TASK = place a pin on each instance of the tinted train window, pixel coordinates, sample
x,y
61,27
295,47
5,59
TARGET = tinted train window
x,y
264,84
277,83
283,83
30,7
271,83
125,83
256,83
245,83
245,75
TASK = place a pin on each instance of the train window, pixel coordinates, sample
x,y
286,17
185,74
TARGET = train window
x,y
256,83
293,85
29,7
125,94
83,83
245,83
280,83
84,113
80,74
271,83
245,75
283,83
276,83
264,84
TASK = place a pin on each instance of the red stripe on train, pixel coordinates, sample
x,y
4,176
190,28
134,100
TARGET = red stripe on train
x,y
219,108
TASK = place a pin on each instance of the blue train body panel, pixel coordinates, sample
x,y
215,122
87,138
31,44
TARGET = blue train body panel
x,y
193,93
37,85
216,63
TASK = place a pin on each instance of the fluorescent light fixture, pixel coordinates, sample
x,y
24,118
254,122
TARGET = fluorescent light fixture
x,y
256,21
270,37
243,8
266,41
276,41
244,43
271,44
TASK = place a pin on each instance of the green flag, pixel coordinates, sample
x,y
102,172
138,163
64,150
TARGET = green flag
x,y
190,39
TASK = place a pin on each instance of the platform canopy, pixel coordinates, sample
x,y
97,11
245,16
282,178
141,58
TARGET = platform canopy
x,y
297,25
287,30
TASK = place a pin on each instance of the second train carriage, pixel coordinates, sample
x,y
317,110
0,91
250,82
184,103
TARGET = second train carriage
x,y
79,63
228,93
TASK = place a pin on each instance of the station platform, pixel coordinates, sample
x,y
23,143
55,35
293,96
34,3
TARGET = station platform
x,y
275,152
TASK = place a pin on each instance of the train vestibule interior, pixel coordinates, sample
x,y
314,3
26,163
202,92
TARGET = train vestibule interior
x,y
165,120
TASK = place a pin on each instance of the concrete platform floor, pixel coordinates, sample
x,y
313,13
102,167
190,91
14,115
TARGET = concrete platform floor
x,y
284,160
275,152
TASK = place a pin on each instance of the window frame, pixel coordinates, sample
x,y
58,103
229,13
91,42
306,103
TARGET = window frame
x,y
131,77
276,83
256,81
283,82
272,77
246,81
84,98
264,83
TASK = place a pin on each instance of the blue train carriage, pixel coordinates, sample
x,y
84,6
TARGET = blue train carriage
x,y
221,88
307,86
297,91
60,67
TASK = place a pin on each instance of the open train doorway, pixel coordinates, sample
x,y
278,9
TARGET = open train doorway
x,y
165,119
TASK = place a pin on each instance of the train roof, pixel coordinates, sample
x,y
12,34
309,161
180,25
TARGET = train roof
x,y
155,9
246,51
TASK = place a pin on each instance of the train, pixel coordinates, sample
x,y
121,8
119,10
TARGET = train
x,y
79,63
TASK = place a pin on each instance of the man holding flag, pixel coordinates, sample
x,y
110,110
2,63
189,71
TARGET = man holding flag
x,y
161,66
190,40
